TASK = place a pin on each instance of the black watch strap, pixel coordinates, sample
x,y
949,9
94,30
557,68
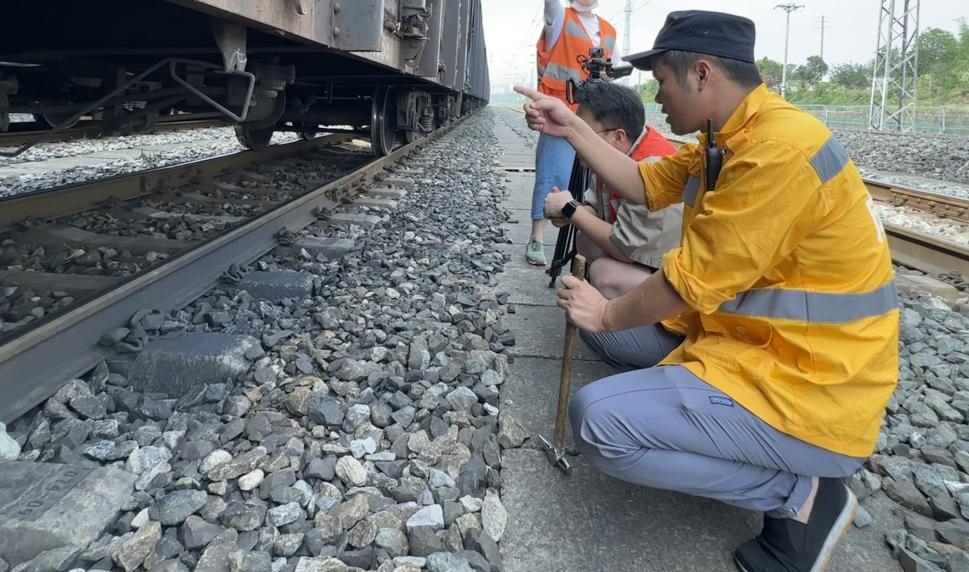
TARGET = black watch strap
x,y
569,209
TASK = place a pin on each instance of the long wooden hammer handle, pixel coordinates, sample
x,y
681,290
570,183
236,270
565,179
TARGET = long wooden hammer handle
x,y
565,380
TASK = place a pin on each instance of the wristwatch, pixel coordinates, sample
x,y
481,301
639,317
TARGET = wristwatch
x,y
569,209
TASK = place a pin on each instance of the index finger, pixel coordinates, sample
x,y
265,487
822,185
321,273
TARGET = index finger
x,y
532,94
570,281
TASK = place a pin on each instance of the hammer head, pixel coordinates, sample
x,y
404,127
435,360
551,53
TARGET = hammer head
x,y
556,457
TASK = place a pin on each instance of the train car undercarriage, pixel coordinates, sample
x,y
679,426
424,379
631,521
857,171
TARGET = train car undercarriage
x,y
182,61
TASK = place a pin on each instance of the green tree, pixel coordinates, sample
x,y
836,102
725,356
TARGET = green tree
x,y
812,71
771,72
852,76
647,91
936,48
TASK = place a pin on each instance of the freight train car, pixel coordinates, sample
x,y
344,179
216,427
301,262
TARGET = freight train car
x,y
389,69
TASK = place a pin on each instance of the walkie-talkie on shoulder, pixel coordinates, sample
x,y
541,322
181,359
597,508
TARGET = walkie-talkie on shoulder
x,y
714,158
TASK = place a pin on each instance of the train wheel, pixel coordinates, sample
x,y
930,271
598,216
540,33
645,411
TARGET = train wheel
x,y
307,131
252,138
383,121
50,120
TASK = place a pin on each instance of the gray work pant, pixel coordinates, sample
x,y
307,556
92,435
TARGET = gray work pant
x,y
665,428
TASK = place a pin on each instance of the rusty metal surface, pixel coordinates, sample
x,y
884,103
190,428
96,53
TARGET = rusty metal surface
x,y
307,20
357,30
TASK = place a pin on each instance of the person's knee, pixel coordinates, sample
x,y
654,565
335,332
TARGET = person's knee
x,y
613,278
590,417
595,275
603,278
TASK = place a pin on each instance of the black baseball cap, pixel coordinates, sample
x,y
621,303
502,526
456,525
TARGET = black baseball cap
x,y
712,33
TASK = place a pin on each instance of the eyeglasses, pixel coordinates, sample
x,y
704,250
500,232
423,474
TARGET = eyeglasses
x,y
608,130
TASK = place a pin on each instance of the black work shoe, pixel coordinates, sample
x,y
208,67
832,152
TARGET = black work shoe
x,y
786,545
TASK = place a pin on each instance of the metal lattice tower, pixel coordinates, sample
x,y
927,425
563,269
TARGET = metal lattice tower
x,y
895,77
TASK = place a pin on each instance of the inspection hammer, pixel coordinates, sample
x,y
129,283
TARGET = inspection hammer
x,y
556,451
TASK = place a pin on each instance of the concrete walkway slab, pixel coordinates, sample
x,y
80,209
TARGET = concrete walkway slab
x,y
530,394
528,284
520,185
540,332
588,521
521,232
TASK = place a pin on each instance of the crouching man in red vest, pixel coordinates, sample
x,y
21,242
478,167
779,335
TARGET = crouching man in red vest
x,y
624,241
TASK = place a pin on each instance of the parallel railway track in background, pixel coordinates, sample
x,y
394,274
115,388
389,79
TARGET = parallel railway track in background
x,y
21,136
37,358
921,251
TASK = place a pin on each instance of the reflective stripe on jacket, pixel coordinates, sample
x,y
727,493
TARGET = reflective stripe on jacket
x,y
559,63
788,275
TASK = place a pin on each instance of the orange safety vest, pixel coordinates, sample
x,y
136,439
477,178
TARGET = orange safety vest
x,y
559,63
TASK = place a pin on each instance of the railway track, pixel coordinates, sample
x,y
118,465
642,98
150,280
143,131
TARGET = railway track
x,y
921,251
22,137
29,372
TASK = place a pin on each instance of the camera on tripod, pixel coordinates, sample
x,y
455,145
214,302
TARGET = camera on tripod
x,y
599,68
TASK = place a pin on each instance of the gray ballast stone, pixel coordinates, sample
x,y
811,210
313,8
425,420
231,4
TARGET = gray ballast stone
x,y
275,286
399,181
387,193
374,202
35,497
328,247
178,364
345,220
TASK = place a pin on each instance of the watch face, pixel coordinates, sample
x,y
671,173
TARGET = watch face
x,y
569,209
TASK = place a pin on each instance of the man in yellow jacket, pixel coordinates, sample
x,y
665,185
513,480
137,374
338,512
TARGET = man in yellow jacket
x,y
777,314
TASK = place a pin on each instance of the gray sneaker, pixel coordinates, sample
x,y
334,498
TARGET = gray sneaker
x,y
535,253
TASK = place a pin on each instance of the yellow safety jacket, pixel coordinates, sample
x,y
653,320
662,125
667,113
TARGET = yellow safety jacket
x,y
788,275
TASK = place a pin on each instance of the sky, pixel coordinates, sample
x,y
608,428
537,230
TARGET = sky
x,y
850,33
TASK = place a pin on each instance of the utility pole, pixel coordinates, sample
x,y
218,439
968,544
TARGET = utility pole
x,y
823,24
627,35
787,35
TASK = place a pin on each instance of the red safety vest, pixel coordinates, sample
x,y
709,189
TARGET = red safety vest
x,y
650,144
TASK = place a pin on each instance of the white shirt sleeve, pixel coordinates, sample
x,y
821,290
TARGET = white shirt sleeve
x,y
554,20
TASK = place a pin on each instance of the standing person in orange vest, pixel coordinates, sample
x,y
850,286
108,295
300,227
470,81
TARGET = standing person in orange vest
x,y
570,33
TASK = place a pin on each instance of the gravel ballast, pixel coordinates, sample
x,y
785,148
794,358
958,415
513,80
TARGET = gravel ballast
x,y
364,436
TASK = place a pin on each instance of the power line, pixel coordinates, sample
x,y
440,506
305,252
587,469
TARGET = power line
x,y
633,11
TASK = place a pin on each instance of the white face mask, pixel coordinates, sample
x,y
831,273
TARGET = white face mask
x,y
587,6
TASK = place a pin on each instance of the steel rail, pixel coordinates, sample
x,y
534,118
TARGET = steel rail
x,y
71,199
35,364
926,253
